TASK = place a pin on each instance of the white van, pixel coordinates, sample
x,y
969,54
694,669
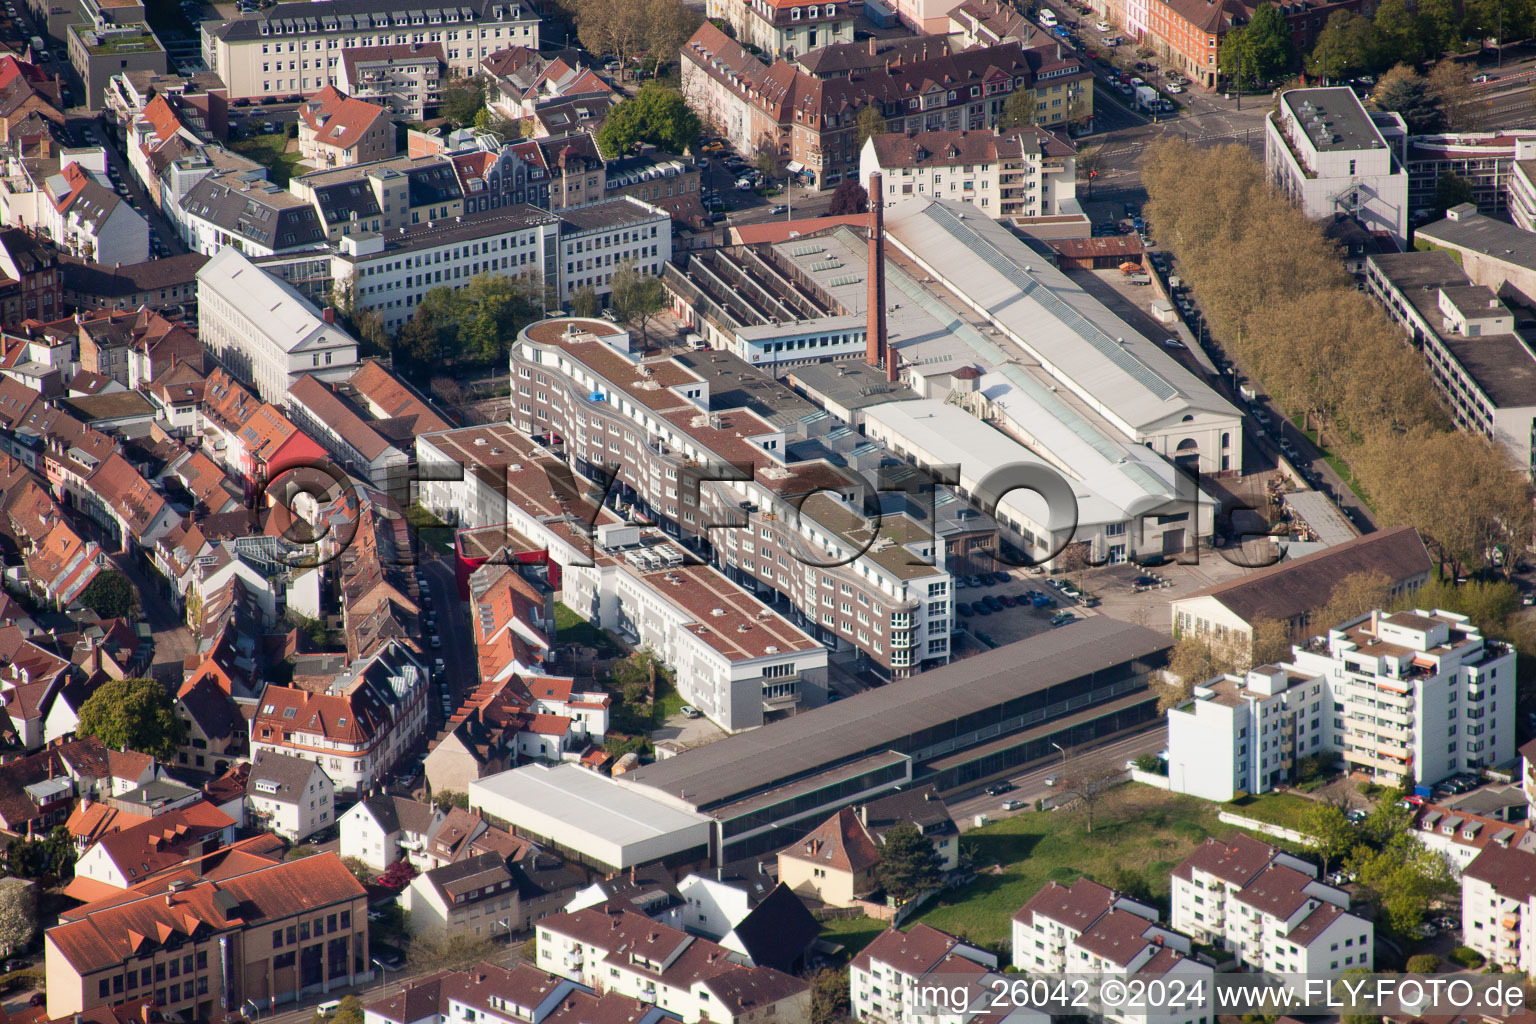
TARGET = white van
x,y
328,1009
1047,18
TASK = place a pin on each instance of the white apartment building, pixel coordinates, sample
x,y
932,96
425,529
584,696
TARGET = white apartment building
x,y
1520,188
263,330
406,78
597,238
1326,152
1413,693
383,829
390,271
1460,837
1420,692
1023,172
1498,904
1482,366
884,978
619,950
291,50
1268,909
1242,734
358,728
1087,928
289,796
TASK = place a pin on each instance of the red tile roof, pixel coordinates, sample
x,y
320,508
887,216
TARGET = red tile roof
x,y
338,120
841,843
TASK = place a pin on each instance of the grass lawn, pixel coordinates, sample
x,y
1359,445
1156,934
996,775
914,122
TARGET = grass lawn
x,y
1284,809
852,933
571,628
430,529
1140,833
270,152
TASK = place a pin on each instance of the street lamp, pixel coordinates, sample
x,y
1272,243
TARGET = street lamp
x,y
1059,747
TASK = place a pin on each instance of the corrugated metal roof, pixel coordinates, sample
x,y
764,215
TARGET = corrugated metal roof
x,y
784,751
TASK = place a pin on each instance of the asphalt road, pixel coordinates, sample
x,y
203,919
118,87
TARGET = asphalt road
x,y
1030,786
453,627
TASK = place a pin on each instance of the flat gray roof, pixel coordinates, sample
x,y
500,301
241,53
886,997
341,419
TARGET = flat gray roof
x,y
784,751
1492,238
1341,114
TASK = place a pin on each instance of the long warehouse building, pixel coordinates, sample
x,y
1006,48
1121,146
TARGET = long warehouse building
x,y
952,726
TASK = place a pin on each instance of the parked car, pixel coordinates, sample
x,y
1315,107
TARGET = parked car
x,y
999,788
993,603
689,711
1174,343
1175,88
1012,805
1101,26
1052,780
963,608
778,210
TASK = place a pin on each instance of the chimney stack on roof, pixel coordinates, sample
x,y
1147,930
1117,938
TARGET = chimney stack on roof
x,y
874,337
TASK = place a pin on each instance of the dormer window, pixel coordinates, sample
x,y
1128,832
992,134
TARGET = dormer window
x,y
794,15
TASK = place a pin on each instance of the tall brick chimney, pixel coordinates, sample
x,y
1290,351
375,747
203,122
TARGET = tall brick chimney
x,y
874,338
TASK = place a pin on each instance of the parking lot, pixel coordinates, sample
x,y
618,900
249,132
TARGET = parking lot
x,y
1000,608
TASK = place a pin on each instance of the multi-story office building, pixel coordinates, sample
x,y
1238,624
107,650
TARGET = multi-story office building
x,y
390,271
598,238
102,50
650,422
1480,362
1486,161
1328,155
1268,909
1408,695
242,210
263,330
1025,172
292,50
266,937
385,195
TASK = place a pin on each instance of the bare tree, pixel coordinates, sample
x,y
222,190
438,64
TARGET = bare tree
x,y
1088,780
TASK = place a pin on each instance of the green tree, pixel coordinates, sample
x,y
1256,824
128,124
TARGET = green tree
x,y
1195,659
1451,189
1329,831
1271,642
133,714
349,1012
1397,34
908,865
447,800
1345,47
455,952
1262,47
504,128
474,323
1407,92
1018,110
636,298
657,115
1403,880
1439,23
1353,596
110,594
868,124
47,860
584,301
830,1001
669,25
360,871
463,99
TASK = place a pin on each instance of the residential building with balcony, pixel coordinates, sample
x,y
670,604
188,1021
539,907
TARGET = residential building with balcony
x,y
1415,693
290,50
405,78
1268,909
289,796
1025,172
358,727
1498,905
1324,151
1086,928
1405,695
655,422
1520,186
1243,734
336,130
384,829
1481,363
616,950
884,979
